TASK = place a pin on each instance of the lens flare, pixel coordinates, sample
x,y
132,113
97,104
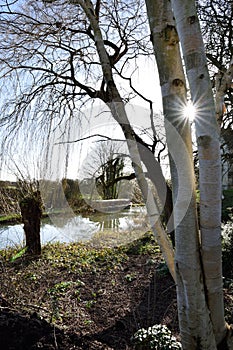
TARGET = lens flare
x,y
189,111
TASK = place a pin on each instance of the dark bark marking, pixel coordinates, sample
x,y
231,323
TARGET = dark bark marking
x,y
204,141
151,38
177,82
192,19
170,34
194,59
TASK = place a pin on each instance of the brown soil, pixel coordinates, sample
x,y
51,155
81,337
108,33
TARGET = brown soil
x,y
101,306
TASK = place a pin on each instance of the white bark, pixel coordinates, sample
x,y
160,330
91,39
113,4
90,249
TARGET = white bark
x,y
195,325
207,133
117,108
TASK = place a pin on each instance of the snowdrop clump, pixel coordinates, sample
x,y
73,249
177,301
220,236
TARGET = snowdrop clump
x,y
157,337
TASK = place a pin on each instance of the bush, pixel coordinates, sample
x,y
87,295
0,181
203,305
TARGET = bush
x,y
227,236
157,337
227,207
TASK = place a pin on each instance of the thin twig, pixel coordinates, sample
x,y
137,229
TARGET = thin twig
x,y
55,337
88,137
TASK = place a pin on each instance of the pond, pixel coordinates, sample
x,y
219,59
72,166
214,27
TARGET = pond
x,y
99,228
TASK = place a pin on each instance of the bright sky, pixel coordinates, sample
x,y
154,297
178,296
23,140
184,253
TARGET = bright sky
x,y
146,81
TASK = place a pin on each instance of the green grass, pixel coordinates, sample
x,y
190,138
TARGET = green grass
x,y
11,218
70,256
74,276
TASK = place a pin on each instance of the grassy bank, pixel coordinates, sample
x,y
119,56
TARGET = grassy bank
x,y
79,296
17,219
10,219
98,296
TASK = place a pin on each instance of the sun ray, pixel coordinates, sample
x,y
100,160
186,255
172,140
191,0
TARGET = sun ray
x,y
189,111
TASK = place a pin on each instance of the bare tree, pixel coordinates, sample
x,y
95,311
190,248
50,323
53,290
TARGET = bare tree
x,y
56,62
106,166
216,25
83,34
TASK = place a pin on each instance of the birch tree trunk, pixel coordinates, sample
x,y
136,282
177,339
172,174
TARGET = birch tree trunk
x,y
116,105
207,133
195,325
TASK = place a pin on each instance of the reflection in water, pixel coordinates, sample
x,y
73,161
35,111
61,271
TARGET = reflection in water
x,y
81,228
112,224
122,220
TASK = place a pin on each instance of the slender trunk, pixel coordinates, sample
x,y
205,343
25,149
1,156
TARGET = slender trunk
x,y
195,325
155,174
207,133
116,105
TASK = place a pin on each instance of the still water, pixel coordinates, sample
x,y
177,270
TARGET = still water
x,y
95,228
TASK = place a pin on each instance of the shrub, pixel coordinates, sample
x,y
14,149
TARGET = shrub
x,y
227,207
227,236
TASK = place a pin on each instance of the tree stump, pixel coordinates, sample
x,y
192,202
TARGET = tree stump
x,y
31,211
